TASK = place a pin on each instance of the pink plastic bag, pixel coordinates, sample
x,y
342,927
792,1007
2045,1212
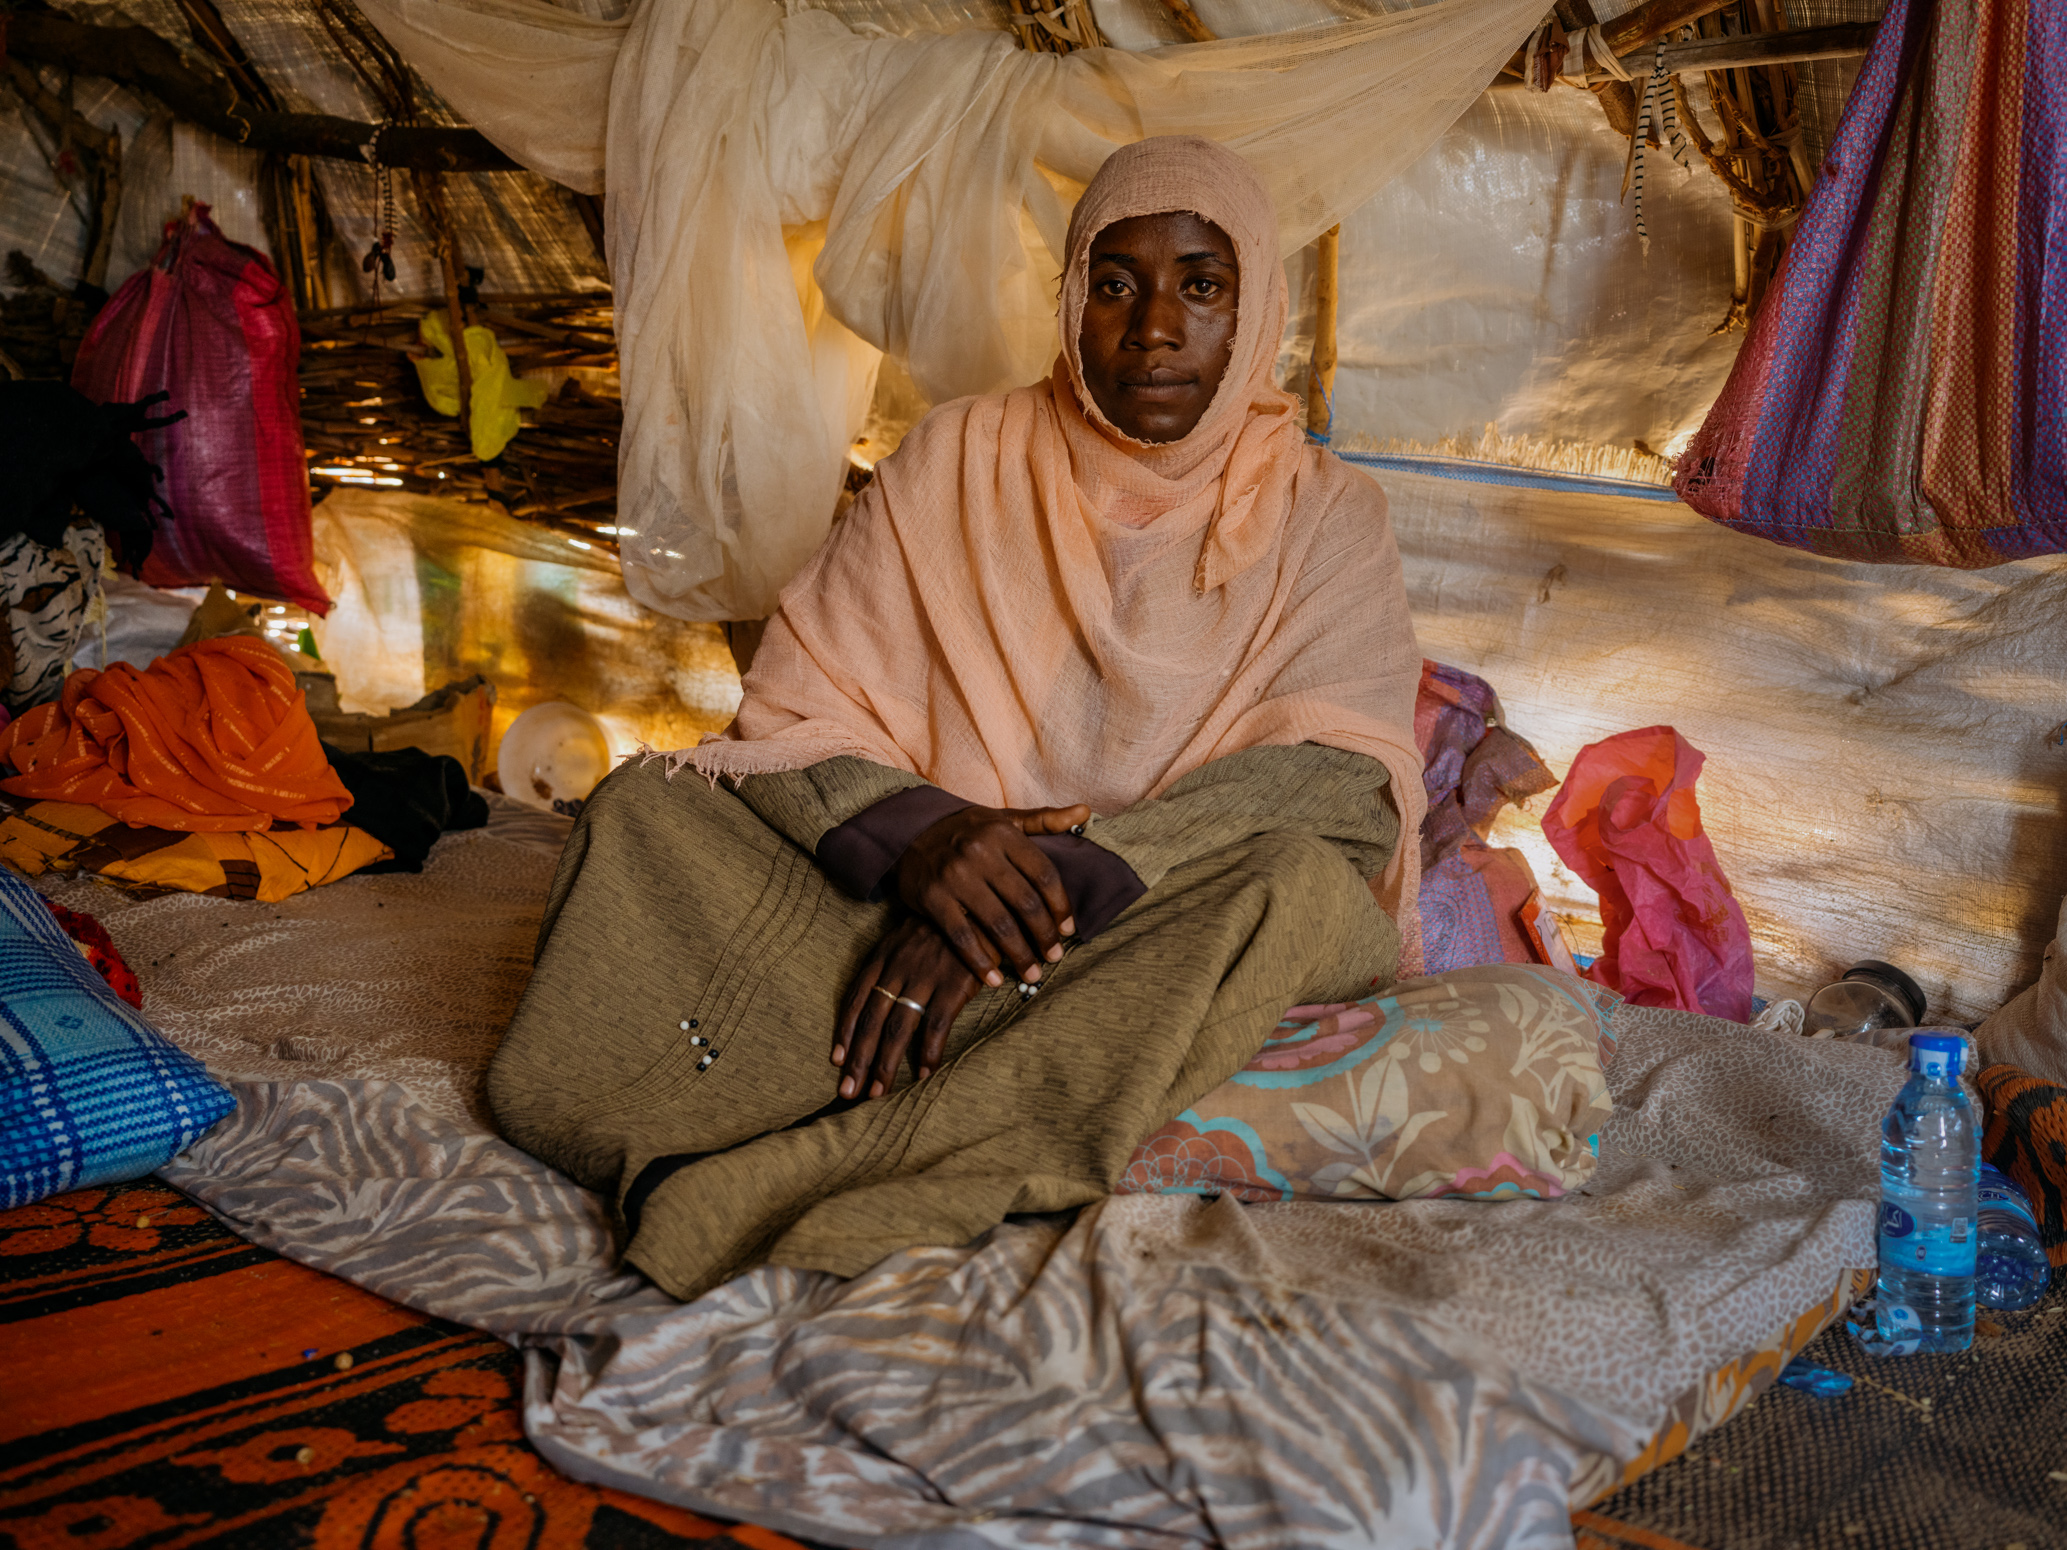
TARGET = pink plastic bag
x,y
1627,822
210,321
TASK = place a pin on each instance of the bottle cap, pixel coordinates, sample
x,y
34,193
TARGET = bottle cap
x,y
1898,984
1939,1054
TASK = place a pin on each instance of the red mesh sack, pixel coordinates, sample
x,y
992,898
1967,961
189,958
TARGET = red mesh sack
x,y
1626,820
210,322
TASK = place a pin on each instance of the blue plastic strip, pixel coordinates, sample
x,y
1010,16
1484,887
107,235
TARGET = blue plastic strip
x,y
1811,1379
1499,473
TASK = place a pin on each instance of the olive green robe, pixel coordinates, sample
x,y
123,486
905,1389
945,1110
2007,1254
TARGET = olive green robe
x,y
693,958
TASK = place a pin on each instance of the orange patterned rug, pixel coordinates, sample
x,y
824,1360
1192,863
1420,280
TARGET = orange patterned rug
x,y
164,1383
167,1384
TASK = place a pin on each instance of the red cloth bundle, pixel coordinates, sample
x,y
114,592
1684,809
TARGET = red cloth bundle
x,y
1626,821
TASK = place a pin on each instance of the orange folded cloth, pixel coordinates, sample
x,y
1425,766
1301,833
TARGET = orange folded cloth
x,y
211,738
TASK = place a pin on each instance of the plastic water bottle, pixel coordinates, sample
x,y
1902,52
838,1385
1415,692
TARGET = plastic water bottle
x,y
2012,1272
1930,1166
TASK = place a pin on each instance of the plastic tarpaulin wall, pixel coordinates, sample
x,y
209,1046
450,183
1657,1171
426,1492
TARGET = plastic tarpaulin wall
x,y
1498,281
429,590
37,215
1885,753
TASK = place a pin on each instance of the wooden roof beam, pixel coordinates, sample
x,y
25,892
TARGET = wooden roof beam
x,y
1844,40
139,59
1633,29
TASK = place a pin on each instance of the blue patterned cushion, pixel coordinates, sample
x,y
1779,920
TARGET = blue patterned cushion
x,y
90,1093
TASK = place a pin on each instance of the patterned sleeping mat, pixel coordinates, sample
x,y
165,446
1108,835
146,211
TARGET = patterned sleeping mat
x,y
1161,1369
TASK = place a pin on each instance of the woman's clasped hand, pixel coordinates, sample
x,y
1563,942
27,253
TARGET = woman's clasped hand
x,y
983,897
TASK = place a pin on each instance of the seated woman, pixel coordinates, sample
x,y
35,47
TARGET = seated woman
x,y
1066,765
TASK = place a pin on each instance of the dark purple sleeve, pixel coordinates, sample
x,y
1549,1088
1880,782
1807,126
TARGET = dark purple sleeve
x,y
860,854
1098,882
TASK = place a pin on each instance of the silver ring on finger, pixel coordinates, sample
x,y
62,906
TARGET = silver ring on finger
x,y
904,1001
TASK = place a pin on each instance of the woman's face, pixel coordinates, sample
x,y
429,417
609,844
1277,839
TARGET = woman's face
x,y
1158,322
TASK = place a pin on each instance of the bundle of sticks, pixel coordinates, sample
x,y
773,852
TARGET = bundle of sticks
x,y
1060,28
366,422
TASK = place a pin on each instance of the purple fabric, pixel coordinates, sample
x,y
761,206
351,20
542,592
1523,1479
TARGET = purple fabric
x,y
1471,768
1450,716
1099,883
1815,333
1458,927
860,854
1785,453
1451,710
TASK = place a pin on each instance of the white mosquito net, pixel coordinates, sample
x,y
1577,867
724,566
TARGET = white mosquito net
x,y
791,195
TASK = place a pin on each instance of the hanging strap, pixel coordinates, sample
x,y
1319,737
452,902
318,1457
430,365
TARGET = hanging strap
x,y
1658,110
1591,41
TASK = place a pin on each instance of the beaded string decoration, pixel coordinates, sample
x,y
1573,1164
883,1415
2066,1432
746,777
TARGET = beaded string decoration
x,y
387,80
380,258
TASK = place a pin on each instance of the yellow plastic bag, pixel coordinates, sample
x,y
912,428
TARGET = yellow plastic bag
x,y
498,394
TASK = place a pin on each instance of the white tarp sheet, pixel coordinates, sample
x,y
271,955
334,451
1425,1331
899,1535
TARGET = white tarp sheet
x,y
1885,743
1499,281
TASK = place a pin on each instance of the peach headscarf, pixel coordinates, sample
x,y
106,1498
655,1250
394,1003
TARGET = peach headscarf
x,y
1029,608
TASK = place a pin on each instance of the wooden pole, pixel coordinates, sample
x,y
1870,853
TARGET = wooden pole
x,y
456,320
1320,391
302,190
1189,21
107,203
1846,40
1653,20
1740,257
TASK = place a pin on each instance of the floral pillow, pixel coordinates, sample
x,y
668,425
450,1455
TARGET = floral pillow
x,y
1484,1083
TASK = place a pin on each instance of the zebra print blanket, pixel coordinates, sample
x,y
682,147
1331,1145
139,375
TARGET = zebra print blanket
x,y
1163,1371
1159,1371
